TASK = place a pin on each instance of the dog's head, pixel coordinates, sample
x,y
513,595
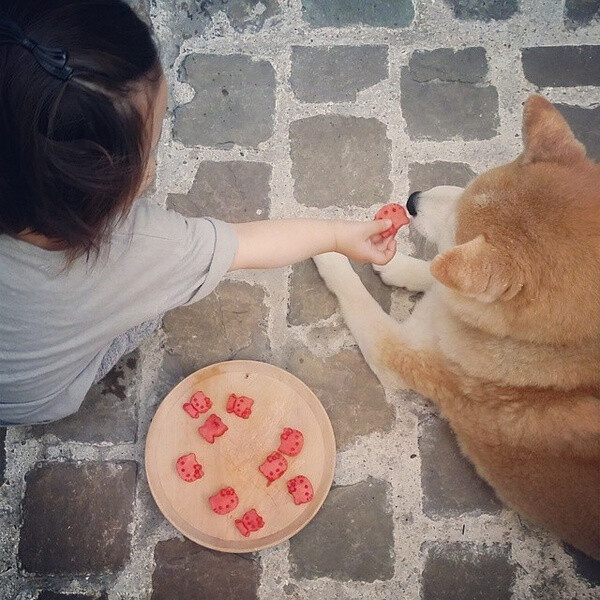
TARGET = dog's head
x,y
520,246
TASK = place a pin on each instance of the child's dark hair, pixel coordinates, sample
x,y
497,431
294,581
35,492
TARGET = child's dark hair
x,y
74,153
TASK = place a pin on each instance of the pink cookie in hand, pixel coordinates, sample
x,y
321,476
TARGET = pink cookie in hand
x,y
250,522
398,216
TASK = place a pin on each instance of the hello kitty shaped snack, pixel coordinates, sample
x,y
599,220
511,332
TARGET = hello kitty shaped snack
x,y
398,216
292,441
199,403
239,405
249,523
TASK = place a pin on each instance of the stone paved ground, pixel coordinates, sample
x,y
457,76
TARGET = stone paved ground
x,y
324,108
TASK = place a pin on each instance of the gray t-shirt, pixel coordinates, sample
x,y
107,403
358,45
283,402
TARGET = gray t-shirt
x,y
56,323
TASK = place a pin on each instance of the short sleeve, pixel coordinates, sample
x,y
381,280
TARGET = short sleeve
x,y
173,260
224,248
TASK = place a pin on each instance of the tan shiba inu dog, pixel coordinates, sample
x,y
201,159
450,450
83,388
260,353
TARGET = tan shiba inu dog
x,y
506,339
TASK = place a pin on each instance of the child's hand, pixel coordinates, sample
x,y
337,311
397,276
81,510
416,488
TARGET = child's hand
x,y
362,241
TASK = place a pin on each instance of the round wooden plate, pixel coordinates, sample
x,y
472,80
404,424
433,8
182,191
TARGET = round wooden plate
x,y
280,400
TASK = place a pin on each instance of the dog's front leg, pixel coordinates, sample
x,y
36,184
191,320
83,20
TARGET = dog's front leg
x,y
400,354
406,272
368,322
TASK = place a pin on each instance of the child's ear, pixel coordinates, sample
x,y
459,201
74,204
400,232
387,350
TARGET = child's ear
x,y
477,270
546,135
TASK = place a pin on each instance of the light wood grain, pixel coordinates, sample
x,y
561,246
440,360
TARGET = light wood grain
x,y
280,400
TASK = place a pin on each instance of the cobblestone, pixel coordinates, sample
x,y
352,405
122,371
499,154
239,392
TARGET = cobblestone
x,y
460,571
229,324
440,103
449,482
233,191
233,103
191,18
562,66
188,572
585,123
48,595
350,538
340,160
76,517
2,455
337,13
484,10
581,12
338,73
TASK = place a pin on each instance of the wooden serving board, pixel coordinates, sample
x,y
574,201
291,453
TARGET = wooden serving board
x,y
280,400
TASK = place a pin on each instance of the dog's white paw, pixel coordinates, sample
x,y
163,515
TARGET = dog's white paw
x,y
406,272
335,270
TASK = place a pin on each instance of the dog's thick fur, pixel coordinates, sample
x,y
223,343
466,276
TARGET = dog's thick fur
x,y
506,339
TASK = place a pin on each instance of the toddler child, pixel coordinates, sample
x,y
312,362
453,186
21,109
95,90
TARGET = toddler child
x,y
86,270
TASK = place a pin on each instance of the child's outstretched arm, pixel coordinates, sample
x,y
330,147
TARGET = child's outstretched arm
x,y
269,244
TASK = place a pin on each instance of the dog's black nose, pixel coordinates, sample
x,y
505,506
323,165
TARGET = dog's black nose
x,y
411,205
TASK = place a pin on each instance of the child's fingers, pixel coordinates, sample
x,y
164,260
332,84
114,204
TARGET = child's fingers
x,y
383,254
382,243
378,227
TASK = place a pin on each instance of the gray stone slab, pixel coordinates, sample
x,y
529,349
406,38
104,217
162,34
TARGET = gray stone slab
x,y
186,571
108,413
468,65
347,388
464,571
77,517
2,454
562,66
338,13
340,161
310,300
233,191
338,73
350,538
450,485
234,101
585,123
190,18
483,10
581,12
587,568
142,8
49,595
443,110
230,323
424,249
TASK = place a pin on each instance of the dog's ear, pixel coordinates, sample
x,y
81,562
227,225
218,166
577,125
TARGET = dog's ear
x,y
477,270
546,135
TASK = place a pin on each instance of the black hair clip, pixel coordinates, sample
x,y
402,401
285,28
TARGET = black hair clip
x,y
52,60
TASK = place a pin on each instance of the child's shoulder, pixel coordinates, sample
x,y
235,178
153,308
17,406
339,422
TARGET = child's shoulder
x,y
148,220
